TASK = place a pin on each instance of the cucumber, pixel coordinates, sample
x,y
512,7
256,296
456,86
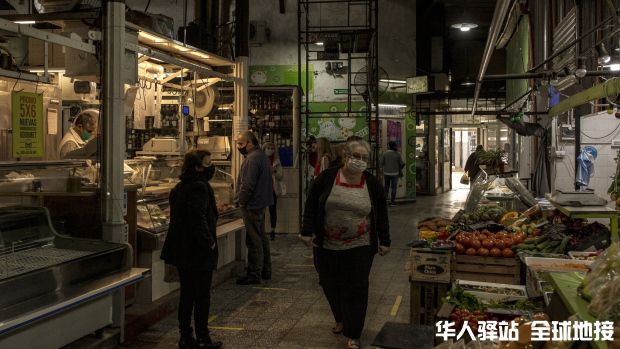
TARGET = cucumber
x,y
562,246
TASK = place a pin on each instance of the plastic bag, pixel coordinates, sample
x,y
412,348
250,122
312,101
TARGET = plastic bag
x,y
602,285
464,179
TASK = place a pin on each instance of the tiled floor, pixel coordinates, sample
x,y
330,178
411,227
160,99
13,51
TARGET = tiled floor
x,y
291,311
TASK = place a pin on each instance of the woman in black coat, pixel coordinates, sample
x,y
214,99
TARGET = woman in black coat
x,y
191,246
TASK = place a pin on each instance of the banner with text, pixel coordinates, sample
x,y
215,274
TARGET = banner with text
x,y
27,121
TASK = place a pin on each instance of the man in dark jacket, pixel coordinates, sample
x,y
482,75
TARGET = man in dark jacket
x,y
191,246
472,165
253,193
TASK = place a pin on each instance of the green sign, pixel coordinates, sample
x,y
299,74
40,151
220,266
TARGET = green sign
x,y
331,120
410,154
27,123
341,91
277,75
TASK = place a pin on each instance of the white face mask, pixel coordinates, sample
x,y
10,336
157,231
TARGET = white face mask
x,y
356,165
269,152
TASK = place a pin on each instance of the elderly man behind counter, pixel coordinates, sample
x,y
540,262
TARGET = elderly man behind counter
x,y
253,193
80,141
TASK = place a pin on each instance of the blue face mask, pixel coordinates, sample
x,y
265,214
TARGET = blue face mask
x,y
85,135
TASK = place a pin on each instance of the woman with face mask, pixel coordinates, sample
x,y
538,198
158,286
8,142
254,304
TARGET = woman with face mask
x,y
346,220
191,246
278,186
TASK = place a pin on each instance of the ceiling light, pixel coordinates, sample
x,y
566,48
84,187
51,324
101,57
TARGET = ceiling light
x,y
464,27
390,81
320,43
582,70
392,105
49,70
467,82
603,55
25,22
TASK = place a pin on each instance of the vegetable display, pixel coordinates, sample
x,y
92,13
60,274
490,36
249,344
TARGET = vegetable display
x,y
482,214
602,285
487,244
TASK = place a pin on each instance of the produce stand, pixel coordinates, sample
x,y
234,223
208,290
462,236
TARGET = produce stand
x,y
566,285
504,266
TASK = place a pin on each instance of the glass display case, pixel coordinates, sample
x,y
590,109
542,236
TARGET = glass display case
x,y
156,177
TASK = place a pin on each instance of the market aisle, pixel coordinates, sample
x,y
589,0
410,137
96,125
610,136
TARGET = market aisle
x,y
291,312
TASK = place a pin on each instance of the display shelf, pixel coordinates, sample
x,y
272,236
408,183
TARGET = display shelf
x,y
585,212
566,285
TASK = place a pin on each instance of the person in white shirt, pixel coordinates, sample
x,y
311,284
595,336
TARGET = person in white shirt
x,y
80,140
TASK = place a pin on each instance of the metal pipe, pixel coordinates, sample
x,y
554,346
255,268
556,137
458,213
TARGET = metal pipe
x,y
614,11
577,145
501,9
526,76
478,112
242,28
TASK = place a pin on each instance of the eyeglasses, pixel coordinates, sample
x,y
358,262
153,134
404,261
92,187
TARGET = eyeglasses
x,y
360,157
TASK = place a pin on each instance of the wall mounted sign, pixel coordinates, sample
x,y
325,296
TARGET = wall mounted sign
x,y
418,84
27,123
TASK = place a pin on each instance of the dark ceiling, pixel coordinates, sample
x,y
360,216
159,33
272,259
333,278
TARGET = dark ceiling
x,y
462,51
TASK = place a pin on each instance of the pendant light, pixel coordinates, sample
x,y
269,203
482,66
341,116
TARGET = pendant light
x,y
465,22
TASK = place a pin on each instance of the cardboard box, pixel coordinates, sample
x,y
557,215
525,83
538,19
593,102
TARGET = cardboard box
x,y
430,265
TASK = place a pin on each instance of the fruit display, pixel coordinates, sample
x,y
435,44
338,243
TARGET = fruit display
x,y
487,244
482,214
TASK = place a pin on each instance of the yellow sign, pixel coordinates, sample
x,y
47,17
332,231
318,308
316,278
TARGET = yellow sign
x,y
27,121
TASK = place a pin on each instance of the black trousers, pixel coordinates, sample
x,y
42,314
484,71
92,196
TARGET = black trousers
x,y
257,242
344,278
273,212
195,297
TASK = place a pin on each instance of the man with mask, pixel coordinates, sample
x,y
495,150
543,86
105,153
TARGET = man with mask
x,y
80,142
253,193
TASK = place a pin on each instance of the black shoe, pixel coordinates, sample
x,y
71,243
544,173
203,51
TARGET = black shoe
x,y
207,343
265,276
273,235
187,343
248,280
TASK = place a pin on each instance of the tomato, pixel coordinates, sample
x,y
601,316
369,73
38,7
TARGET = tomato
x,y
488,243
476,243
482,251
471,251
466,241
460,249
508,242
499,243
507,252
495,252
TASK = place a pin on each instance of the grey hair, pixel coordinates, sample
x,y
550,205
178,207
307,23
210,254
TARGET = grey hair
x,y
350,145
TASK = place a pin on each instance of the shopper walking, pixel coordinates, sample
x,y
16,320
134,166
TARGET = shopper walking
x,y
277,175
253,193
346,219
191,246
324,155
392,164
472,165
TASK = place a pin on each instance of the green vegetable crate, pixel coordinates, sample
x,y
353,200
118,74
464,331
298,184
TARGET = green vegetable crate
x,y
426,301
487,269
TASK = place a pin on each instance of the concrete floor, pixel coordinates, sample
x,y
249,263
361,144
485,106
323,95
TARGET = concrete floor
x,y
290,311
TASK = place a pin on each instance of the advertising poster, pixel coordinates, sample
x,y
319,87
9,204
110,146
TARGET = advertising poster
x,y
27,121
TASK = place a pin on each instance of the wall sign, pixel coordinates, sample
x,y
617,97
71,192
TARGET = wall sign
x,y
27,123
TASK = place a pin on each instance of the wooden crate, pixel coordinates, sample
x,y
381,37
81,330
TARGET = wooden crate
x,y
426,301
430,265
487,269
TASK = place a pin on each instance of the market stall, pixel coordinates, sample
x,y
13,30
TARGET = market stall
x,y
159,107
488,271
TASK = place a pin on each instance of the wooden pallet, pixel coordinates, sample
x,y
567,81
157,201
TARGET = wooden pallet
x,y
487,269
426,301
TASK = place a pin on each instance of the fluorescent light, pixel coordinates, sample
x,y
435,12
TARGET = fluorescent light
x,y
25,22
49,70
320,43
390,81
613,67
389,105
